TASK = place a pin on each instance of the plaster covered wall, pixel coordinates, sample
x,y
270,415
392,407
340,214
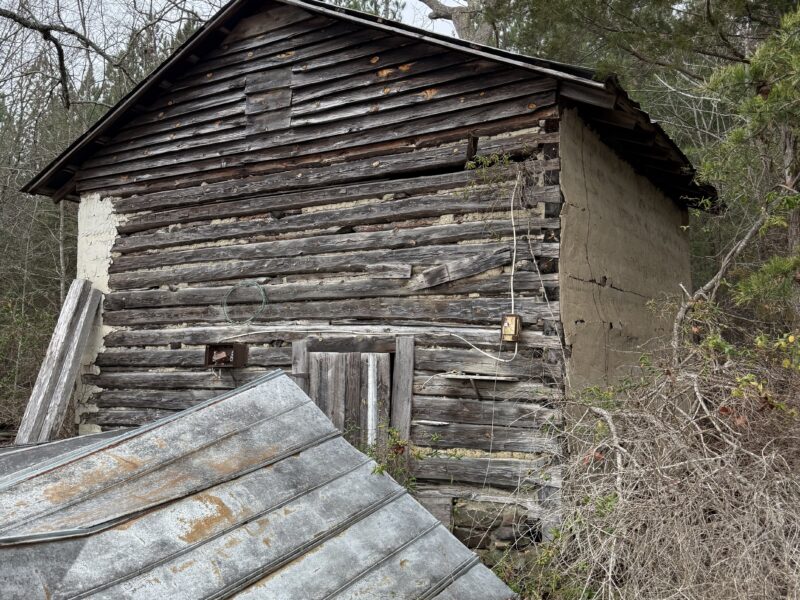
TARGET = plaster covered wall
x,y
623,243
97,230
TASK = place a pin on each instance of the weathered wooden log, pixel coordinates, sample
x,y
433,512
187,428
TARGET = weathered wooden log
x,y
406,208
514,413
380,334
325,289
256,357
469,361
516,474
526,391
159,399
458,269
369,261
481,437
215,167
463,310
175,380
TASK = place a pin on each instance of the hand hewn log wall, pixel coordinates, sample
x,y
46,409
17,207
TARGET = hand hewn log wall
x,y
365,181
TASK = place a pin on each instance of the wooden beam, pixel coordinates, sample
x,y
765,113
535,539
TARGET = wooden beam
x,y
50,397
300,364
59,401
458,269
403,386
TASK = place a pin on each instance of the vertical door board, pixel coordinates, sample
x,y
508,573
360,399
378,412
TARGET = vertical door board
x,y
353,390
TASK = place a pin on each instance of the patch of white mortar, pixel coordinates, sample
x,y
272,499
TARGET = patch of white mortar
x,y
97,230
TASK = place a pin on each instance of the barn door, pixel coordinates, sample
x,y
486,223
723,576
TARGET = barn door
x,y
353,389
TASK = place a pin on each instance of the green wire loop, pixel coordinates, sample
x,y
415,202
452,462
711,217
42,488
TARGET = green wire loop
x,y
256,314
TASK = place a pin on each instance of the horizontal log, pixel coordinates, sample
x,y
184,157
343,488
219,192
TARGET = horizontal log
x,y
375,88
327,90
159,399
396,122
254,169
526,391
333,137
529,502
497,472
459,360
368,261
256,357
324,289
322,244
221,379
224,194
434,92
481,437
378,212
483,412
466,310
124,417
289,332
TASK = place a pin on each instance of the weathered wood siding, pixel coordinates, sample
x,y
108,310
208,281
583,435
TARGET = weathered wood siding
x,y
330,164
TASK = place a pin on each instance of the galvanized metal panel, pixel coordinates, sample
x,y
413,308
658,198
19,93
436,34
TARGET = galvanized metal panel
x,y
253,494
344,559
19,458
476,584
415,570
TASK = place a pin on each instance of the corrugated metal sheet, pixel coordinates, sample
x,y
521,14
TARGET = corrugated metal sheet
x,y
252,494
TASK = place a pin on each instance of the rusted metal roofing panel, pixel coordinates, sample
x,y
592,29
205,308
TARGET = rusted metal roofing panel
x,y
18,458
252,494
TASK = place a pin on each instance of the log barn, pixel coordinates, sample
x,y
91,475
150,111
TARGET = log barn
x,y
437,240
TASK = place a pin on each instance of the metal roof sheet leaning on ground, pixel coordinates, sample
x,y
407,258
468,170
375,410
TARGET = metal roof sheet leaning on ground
x,y
253,494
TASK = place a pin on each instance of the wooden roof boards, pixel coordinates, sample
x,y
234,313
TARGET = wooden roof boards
x,y
666,165
252,494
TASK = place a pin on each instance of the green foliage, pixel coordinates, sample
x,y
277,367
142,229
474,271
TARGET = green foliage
x,y
771,288
392,458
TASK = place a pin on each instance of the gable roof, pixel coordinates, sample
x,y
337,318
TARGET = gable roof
x,y
606,106
253,494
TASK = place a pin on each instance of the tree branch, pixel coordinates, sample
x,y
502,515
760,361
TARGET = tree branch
x,y
47,30
439,10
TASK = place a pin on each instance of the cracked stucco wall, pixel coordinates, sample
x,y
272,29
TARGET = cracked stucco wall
x,y
623,243
97,229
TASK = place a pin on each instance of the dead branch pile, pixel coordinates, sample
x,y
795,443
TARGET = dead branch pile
x,y
685,484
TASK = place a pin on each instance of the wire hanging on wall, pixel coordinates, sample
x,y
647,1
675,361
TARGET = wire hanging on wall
x,y
259,311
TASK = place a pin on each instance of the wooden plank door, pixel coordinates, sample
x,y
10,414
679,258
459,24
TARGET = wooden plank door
x,y
353,389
